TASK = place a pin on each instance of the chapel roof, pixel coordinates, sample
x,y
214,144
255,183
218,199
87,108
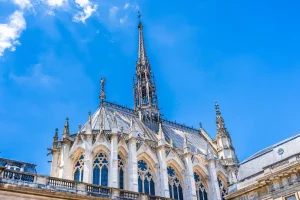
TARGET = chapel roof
x,y
176,132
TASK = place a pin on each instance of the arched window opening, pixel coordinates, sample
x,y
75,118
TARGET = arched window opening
x,y
175,185
78,169
145,180
200,189
100,170
144,95
121,172
223,189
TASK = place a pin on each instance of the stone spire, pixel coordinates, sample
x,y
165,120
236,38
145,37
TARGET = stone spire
x,y
55,138
221,129
145,97
89,124
161,136
225,149
102,91
114,129
66,132
186,147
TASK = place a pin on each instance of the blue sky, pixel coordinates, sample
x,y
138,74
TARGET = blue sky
x,y
243,54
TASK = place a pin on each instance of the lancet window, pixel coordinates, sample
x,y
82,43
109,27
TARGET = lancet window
x,y
78,168
145,180
223,189
121,172
175,184
200,188
100,169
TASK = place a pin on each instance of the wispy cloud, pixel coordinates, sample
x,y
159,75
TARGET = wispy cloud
x,y
23,3
56,3
126,5
36,78
88,8
11,31
113,13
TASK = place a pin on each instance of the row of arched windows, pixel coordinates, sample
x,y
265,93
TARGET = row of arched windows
x,y
146,180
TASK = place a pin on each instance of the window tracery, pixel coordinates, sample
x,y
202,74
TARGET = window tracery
x,y
175,185
100,170
78,169
121,172
223,189
145,178
200,188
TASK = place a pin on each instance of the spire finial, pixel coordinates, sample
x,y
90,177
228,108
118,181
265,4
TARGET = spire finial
x,y
200,124
139,16
102,90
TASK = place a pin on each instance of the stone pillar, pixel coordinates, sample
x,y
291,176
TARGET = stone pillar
x,y
190,181
66,163
132,166
54,163
113,165
88,160
214,185
164,185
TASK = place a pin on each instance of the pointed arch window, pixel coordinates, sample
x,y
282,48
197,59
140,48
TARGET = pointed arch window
x,y
200,188
175,184
145,178
100,170
223,189
78,169
121,172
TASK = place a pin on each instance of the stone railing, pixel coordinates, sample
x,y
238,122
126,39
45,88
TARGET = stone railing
x,y
69,187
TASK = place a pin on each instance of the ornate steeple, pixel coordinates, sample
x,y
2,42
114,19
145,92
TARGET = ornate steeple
x,y
225,149
145,97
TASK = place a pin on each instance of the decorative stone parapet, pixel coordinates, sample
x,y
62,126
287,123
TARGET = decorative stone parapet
x,y
53,186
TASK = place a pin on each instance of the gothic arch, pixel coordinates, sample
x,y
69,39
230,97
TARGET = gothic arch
x,y
174,159
148,179
78,165
201,183
102,147
100,166
223,185
76,153
175,180
146,151
122,172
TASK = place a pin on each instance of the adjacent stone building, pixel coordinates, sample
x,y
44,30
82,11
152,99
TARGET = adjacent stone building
x,y
123,153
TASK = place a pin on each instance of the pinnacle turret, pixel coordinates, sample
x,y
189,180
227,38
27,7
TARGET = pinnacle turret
x,y
66,132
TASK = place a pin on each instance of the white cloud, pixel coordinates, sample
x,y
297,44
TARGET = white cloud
x,y
23,3
35,78
123,19
88,8
56,3
113,12
10,32
126,6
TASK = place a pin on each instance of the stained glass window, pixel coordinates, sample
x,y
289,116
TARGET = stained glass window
x,y
100,170
175,185
121,172
200,189
223,189
78,168
145,180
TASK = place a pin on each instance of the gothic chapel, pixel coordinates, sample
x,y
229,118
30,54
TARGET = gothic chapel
x,y
137,150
